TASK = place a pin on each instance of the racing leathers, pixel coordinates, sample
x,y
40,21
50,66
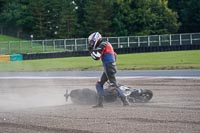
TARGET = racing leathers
x,y
106,53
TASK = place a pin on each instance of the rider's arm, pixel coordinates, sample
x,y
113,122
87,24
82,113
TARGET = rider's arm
x,y
96,53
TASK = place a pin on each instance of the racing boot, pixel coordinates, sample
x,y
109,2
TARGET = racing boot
x,y
100,103
124,101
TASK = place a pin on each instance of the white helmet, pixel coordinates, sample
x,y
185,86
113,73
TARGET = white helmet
x,y
94,39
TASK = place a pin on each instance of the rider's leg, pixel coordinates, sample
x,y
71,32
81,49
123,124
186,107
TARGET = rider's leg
x,y
100,90
110,72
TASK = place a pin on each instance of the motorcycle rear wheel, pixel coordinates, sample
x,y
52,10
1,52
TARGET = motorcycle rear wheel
x,y
83,96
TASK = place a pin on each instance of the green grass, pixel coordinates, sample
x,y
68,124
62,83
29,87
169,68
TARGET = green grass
x,y
12,45
8,38
141,61
161,60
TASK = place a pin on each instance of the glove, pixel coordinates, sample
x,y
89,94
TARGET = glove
x,y
95,55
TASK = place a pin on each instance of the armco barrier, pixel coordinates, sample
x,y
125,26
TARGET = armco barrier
x,y
118,51
4,57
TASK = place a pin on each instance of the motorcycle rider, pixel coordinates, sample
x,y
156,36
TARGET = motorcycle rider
x,y
103,50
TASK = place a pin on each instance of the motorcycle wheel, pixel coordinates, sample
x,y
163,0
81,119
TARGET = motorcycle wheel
x,y
83,96
144,96
110,95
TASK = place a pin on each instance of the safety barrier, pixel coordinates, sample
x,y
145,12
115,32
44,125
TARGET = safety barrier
x,y
16,57
13,57
57,48
32,56
4,57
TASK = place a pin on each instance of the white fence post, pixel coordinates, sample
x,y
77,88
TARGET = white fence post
x,y
180,39
54,45
138,41
75,45
65,44
118,42
43,45
86,45
8,47
128,42
20,46
159,39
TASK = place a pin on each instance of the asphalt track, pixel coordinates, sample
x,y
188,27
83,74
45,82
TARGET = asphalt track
x,y
34,102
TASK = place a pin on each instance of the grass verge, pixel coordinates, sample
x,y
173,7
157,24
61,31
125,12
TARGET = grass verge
x,y
142,61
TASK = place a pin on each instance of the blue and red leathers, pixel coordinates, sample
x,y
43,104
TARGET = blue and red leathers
x,y
105,52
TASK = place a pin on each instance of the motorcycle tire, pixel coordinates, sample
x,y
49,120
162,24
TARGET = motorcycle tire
x,y
110,96
83,96
144,95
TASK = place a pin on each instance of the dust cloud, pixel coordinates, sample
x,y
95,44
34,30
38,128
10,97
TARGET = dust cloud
x,y
21,94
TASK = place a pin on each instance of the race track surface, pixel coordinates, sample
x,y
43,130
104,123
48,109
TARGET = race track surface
x,y
38,105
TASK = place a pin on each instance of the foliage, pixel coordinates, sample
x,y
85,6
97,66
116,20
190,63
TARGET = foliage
x,y
78,18
151,17
188,11
38,13
96,17
16,13
67,21
120,10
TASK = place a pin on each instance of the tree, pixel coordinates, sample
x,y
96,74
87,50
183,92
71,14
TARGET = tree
x,y
188,11
38,12
167,20
2,4
120,11
47,19
52,16
16,14
67,20
97,17
151,17
80,13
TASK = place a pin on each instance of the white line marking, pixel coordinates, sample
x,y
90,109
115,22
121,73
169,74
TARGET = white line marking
x,y
122,77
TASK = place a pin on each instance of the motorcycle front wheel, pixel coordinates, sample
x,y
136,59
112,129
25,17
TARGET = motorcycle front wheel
x,y
144,95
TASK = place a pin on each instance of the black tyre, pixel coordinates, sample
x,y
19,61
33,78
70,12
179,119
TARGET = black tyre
x,y
144,96
83,96
110,95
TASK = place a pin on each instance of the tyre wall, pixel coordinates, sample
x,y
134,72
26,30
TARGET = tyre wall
x,y
33,56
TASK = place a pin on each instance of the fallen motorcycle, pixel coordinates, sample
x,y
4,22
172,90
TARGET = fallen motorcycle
x,y
89,96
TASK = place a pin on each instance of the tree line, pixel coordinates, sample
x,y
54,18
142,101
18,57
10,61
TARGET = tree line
x,y
45,19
